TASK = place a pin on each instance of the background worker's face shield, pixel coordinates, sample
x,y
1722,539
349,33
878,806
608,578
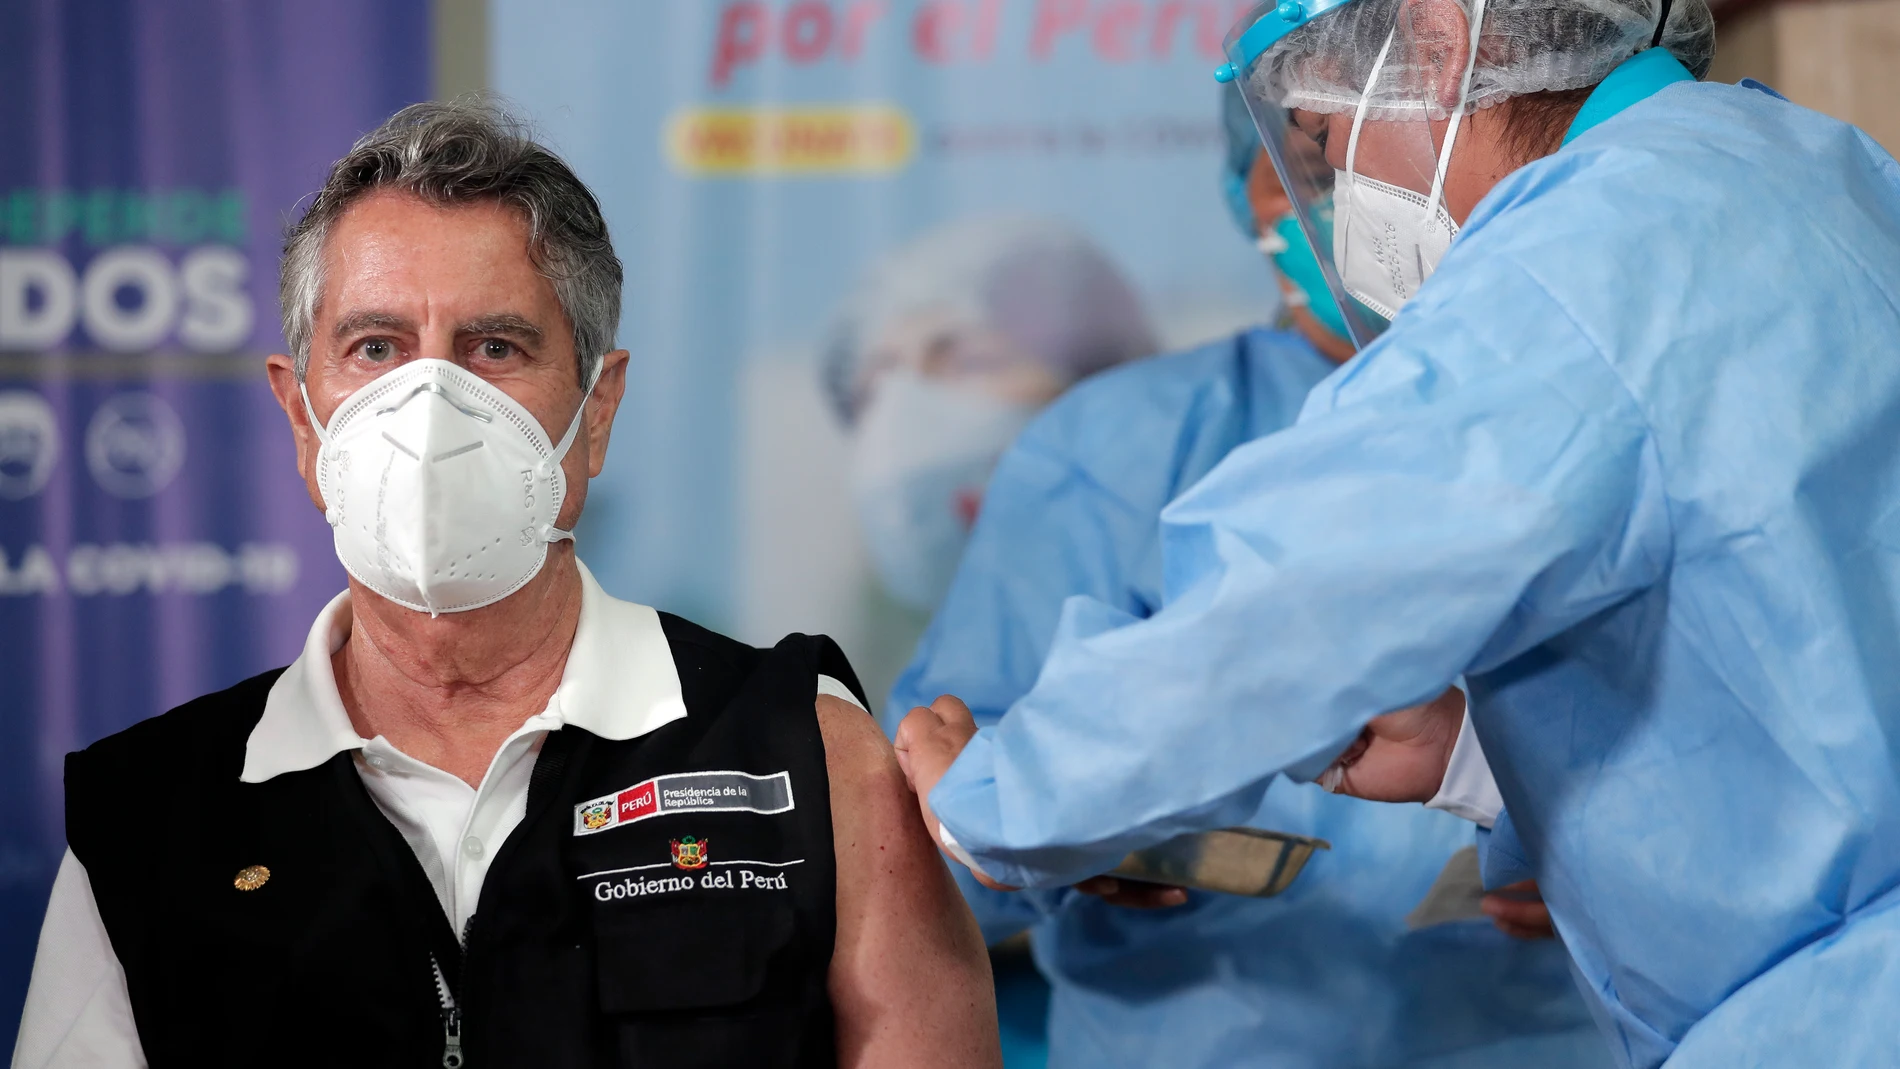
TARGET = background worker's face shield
x,y
1357,102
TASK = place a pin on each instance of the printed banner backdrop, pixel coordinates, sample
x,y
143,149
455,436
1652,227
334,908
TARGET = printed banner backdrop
x,y
155,540
758,159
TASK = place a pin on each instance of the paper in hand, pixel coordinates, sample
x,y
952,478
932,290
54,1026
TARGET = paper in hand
x,y
1455,895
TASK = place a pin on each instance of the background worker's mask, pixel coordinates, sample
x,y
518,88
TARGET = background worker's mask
x,y
1292,255
922,453
441,489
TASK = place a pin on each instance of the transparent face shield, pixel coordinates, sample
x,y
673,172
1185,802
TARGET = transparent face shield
x,y
1357,103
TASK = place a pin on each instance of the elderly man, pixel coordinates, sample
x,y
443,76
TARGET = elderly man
x,y
492,815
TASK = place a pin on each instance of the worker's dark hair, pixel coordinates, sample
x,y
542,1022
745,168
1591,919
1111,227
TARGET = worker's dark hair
x,y
1535,123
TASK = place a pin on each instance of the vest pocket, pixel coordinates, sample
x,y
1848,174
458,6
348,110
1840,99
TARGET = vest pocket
x,y
691,955
687,984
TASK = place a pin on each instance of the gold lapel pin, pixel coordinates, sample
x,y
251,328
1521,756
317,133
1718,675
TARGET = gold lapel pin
x,y
251,877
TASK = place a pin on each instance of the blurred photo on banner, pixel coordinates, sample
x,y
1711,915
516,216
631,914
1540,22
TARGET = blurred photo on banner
x,y
154,541
942,355
842,216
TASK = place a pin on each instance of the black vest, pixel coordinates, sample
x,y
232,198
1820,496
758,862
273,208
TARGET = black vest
x,y
667,901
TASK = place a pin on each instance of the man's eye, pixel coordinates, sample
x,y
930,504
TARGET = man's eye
x,y
496,349
377,350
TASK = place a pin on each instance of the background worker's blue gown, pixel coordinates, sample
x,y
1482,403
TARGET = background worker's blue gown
x,y
1630,462
1324,975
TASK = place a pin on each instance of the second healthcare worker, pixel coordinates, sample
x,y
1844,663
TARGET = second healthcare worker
x,y
942,354
1327,973
1628,459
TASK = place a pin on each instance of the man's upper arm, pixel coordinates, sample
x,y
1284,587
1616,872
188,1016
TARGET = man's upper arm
x,y
910,980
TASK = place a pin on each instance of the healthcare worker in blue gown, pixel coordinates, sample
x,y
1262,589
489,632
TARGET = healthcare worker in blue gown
x,y
1328,973
1627,459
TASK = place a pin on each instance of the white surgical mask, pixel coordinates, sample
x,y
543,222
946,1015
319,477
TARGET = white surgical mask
x,y
442,490
921,455
1389,239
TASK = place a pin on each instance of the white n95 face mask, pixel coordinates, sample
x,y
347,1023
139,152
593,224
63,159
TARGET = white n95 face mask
x,y
442,490
1389,243
920,458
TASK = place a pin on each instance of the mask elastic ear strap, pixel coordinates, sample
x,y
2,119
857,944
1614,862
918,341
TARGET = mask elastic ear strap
x,y
1464,91
551,533
1352,142
574,425
323,434
1365,102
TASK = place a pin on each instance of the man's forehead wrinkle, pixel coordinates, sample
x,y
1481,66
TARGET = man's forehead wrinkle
x,y
370,320
501,323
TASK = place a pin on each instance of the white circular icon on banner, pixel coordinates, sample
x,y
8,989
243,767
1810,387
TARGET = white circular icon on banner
x,y
135,445
29,443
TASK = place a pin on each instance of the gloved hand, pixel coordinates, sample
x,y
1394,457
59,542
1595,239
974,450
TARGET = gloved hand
x,y
1401,756
1132,894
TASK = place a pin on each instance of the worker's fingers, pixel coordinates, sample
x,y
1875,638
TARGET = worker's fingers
x,y
1523,915
921,733
1513,912
944,725
954,714
1519,931
928,742
989,883
1132,894
1518,910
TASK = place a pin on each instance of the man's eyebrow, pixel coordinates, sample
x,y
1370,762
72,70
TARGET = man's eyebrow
x,y
360,321
502,323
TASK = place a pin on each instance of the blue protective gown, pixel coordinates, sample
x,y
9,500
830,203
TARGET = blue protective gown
x,y
1324,975
1630,462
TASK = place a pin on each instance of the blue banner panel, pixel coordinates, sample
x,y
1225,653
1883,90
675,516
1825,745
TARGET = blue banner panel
x,y
155,539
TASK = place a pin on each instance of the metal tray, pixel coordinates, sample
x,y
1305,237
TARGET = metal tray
x,y
1235,861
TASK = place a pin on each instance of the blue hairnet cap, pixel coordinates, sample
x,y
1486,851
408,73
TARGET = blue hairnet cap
x,y
1243,145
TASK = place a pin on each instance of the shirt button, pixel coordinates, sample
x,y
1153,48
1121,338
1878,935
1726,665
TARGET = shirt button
x,y
378,763
472,846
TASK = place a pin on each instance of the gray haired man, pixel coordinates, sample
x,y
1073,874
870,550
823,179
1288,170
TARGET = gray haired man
x,y
492,815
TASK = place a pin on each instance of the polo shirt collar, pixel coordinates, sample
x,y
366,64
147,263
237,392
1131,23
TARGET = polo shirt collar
x,y
619,683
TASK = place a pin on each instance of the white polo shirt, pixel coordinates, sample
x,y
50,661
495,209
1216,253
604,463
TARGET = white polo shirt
x,y
619,683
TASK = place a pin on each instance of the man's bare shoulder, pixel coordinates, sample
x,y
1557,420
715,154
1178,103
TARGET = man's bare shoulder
x,y
874,820
910,979
854,746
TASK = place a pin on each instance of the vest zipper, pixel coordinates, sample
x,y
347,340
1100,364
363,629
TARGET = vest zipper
x,y
451,1019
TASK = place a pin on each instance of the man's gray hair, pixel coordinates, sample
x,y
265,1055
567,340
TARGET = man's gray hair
x,y
460,153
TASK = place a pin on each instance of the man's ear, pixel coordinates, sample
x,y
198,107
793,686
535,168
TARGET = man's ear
x,y
1439,34
603,406
284,385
